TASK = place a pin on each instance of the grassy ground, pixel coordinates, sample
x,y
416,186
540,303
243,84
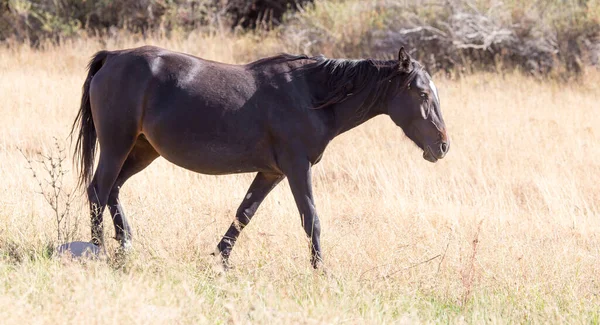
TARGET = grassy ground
x,y
503,230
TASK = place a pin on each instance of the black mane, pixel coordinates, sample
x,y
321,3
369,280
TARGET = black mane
x,y
279,58
348,77
345,77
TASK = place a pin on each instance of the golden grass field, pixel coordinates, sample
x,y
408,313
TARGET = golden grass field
x,y
505,229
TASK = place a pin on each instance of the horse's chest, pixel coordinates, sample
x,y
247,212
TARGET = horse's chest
x,y
314,148
311,140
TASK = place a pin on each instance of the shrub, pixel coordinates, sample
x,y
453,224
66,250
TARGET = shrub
x,y
540,37
36,20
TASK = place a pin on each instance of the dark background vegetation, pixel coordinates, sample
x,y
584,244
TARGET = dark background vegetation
x,y
560,37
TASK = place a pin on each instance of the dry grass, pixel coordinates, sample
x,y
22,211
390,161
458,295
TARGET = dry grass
x,y
504,230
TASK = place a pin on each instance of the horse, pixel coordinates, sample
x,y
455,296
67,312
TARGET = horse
x,y
273,117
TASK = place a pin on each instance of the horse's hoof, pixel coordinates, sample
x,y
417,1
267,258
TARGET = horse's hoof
x,y
127,247
317,263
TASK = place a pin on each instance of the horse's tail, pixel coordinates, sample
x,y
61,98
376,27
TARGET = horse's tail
x,y
85,148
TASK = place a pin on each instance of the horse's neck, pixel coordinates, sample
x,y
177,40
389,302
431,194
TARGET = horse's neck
x,y
357,108
352,112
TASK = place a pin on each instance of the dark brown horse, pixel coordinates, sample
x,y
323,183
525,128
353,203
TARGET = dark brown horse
x,y
274,116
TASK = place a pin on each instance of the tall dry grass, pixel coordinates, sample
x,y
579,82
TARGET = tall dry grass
x,y
503,230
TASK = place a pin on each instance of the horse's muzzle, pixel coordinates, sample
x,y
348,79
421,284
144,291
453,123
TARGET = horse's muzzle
x,y
444,147
432,155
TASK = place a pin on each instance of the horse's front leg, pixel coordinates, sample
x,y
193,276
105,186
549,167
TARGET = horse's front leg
x,y
261,186
298,172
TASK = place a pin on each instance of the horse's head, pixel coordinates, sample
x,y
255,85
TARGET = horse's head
x,y
415,107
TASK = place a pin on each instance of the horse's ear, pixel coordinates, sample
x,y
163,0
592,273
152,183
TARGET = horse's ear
x,y
403,57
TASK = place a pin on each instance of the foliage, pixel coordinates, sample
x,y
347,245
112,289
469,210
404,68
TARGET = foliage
x,y
52,187
35,20
539,37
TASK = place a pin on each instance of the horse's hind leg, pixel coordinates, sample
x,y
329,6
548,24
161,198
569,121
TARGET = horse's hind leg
x,y
109,166
115,145
142,155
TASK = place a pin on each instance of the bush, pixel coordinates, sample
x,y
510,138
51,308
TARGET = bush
x,y
37,20
540,37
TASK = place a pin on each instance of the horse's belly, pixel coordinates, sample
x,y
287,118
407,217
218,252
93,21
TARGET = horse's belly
x,y
207,138
214,157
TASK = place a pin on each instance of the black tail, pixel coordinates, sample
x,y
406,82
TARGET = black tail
x,y
85,148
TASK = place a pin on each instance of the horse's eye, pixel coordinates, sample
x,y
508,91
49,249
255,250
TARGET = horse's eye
x,y
423,95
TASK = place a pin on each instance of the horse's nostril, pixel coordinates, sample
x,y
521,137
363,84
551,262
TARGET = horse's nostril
x,y
444,147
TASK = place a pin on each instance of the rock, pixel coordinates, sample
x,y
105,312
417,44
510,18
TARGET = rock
x,y
79,249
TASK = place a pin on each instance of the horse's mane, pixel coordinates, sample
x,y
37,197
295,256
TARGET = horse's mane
x,y
346,77
279,58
